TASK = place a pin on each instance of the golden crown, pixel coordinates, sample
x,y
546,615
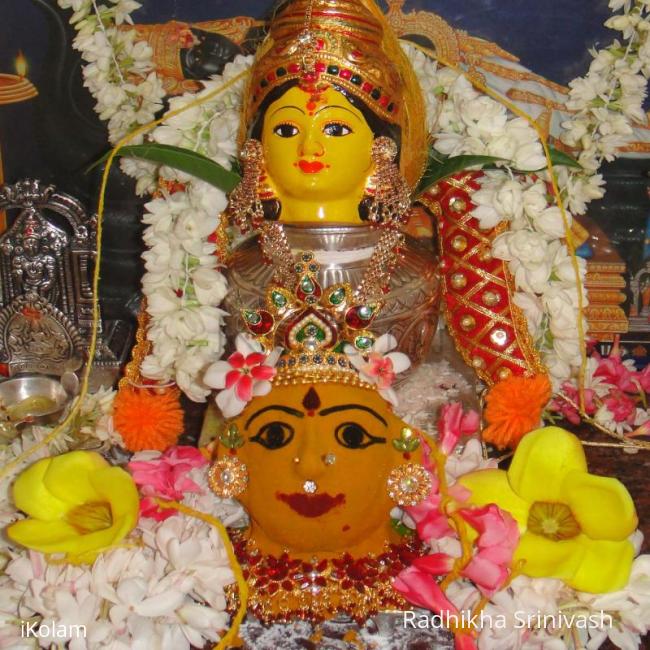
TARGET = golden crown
x,y
348,43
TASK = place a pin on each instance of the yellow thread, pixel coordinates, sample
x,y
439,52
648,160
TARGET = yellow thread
x,y
236,569
95,283
556,191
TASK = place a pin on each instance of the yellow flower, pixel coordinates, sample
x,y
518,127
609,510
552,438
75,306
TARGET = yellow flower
x,y
76,504
574,525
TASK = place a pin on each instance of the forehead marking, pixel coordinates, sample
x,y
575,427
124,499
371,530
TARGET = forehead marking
x,y
311,401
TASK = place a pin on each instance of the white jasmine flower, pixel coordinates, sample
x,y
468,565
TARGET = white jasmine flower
x,y
550,222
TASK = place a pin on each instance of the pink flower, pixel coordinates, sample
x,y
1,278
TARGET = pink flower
x,y
496,544
452,424
616,373
246,374
379,366
566,410
430,523
166,477
436,564
420,588
622,407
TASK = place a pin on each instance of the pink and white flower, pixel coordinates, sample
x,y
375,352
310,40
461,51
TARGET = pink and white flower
x,y
379,366
247,373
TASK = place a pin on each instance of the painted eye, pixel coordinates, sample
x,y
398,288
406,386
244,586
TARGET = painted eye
x,y
336,129
354,436
286,130
274,435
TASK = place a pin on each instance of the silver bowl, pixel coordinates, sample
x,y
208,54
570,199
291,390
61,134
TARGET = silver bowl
x,y
19,390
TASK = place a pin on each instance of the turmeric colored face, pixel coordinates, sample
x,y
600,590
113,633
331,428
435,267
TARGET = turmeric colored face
x,y
318,457
317,153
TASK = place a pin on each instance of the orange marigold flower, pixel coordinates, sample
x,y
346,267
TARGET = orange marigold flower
x,y
148,420
513,408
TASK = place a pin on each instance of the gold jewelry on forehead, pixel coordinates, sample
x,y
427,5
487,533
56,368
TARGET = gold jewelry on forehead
x,y
348,43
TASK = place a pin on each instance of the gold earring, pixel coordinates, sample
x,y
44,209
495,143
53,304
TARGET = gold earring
x,y
228,477
245,203
390,195
409,484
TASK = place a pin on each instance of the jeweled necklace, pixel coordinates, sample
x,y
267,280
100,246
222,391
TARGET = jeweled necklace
x,y
282,588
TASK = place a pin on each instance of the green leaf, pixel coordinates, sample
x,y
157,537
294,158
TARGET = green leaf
x,y
440,167
185,160
400,528
560,158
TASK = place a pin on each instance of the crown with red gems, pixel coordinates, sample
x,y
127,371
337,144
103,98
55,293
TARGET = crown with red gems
x,y
313,325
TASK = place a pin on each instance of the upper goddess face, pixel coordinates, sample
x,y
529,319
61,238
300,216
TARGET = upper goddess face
x,y
319,457
317,148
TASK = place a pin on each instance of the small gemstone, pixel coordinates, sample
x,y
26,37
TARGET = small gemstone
x,y
306,257
331,360
260,322
303,358
363,342
375,93
307,285
278,299
294,67
367,87
408,484
282,363
281,72
264,83
337,296
311,344
365,312
310,300
342,362
383,101
227,476
332,69
313,267
309,487
311,330
356,79
390,108
292,362
298,268
345,74
252,317
318,358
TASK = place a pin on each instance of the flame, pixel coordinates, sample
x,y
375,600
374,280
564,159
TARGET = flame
x,y
21,64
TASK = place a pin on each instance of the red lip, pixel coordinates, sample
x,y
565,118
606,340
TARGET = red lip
x,y
310,167
311,505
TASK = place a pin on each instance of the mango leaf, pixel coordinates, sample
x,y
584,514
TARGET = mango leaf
x,y
440,167
560,158
189,162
